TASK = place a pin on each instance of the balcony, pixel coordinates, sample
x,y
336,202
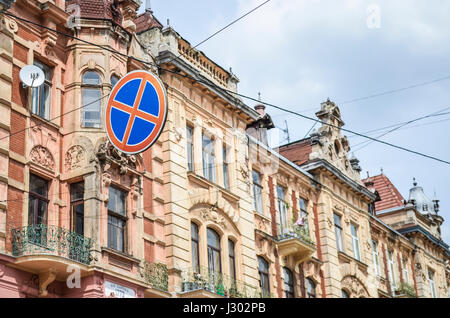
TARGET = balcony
x,y
296,243
203,283
405,291
156,275
48,251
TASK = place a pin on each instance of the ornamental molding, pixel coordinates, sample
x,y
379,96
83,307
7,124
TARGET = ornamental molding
x,y
43,157
75,158
108,154
213,216
354,287
210,197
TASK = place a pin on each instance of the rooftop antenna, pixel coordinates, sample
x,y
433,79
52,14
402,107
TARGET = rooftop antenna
x,y
286,132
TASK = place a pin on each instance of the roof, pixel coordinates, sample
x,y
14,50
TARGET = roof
x,y
99,9
146,21
389,194
298,152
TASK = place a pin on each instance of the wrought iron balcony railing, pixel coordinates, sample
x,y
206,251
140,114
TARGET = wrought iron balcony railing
x,y
218,283
157,275
41,239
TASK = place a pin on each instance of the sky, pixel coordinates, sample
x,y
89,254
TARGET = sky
x,y
298,53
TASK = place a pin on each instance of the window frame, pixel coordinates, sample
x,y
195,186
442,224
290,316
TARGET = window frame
x,y
226,173
74,203
375,256
289,283
216,252
313,285
209,157
431,281
121,218
232,258
190,147
98,101
264,275
338,229
259,186
304,212
405,272
391,268
34,196
282,209
355,241
195,241
48,78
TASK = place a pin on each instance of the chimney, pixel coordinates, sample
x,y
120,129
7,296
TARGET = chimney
x,y
148,6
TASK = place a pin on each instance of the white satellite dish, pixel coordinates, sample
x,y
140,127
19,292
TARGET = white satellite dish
x,y
32,76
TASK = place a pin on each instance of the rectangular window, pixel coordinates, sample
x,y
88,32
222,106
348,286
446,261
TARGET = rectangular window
x,y
257,191
355,241
77,207
405,270
282,209
376,260
42,94
338,232
302,203
38,201
226,178
190,148
432,283
232,259
263,270
195,248
209,170
117,219
391,269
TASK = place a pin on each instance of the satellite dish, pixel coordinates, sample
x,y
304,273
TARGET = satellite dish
x,y
31,76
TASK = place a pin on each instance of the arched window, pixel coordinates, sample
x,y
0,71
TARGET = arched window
x,y
195,248
91,100
345,294
214,263
232,259
263,269
310,288
289,283
114,80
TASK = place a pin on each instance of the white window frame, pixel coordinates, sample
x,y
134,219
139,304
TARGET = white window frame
x,y
375,256
258,194
338,233
355,241
432,283
391,269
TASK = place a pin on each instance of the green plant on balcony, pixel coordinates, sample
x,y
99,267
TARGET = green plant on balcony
x,y
42,239
407,290
157,276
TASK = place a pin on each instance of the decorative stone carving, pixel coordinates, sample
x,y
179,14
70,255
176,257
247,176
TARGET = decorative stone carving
x,y
107,153
75,158
9,24
354,286
211,215
43,157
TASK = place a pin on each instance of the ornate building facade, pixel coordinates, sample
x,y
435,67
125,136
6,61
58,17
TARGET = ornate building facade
x,y
210,210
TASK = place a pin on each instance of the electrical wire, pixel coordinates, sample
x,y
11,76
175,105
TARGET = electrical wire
x,y
210,84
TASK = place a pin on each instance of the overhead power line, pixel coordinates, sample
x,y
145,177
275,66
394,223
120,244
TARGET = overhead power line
x,y
438,113
210,84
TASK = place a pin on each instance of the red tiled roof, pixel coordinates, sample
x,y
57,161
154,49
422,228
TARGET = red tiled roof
x,y
98,9
297,152
389,194
146,21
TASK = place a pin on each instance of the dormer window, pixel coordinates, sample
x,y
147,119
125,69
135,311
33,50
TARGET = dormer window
x,y
425,207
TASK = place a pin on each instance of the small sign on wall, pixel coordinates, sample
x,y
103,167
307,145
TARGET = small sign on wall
x,y
117,291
